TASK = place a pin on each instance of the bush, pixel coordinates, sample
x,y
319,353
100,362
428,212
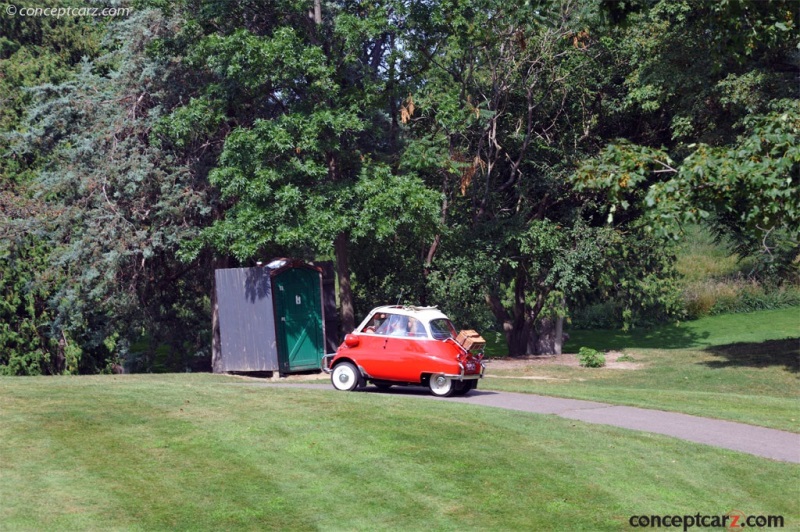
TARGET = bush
x,y
591,358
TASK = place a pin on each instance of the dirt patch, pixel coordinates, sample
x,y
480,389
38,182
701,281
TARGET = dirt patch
x,y
516,363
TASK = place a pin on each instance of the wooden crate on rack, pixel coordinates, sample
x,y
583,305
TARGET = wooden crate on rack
x,y
470,340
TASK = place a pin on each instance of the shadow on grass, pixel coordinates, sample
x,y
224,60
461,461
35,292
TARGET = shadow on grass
x,y
758,355
664,337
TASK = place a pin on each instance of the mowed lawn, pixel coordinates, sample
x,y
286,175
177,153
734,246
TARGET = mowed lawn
x,y
204,452
738,367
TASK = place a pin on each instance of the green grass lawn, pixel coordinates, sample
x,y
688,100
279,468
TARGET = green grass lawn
x,y
726,329
203,452
740,367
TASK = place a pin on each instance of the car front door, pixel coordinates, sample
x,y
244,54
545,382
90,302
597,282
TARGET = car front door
x,y
384,350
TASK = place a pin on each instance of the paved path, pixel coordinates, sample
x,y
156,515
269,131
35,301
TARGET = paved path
x,y
759,441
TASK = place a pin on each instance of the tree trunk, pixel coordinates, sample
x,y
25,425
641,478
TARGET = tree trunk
x,y
522,336
549,338
518,329
340,249
317,11
520,323
524,339
521,339
216,352
343,273
216,342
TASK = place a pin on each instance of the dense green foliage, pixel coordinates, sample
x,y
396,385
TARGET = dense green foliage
x,y
33,52
106,212
509,162
712,90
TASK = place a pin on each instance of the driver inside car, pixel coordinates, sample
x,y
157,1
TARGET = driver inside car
x,y
398,326
415,328
393,325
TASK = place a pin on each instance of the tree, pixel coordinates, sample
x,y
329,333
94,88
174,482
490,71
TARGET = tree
x,y
747,192
118,207
687,71
306,167
701,123
501,119
33,51
750,191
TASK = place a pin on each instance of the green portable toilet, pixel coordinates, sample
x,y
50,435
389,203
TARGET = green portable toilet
x,y
270,318
298,309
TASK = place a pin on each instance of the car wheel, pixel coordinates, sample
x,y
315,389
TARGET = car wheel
x,y
345,377
441,386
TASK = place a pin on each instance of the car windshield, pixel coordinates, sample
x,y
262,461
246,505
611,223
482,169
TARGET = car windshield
x,y
442,329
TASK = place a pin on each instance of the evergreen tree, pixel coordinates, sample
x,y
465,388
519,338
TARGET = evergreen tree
x,y
119,208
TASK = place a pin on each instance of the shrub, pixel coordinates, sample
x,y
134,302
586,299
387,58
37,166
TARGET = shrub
x,y
591,358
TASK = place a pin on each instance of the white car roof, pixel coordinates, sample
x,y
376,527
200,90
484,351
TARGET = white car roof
x,y
423,314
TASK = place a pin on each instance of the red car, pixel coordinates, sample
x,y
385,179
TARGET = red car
x,y
406,346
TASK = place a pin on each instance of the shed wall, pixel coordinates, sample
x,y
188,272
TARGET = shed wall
x,y
246,320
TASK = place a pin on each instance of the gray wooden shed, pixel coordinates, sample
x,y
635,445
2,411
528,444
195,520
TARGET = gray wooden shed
x,y
270,318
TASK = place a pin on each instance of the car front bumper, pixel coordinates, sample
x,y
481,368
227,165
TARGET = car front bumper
x,y
325,363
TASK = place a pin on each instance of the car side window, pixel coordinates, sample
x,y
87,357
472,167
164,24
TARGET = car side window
x,y
396,325
442,329
376,323
393,325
